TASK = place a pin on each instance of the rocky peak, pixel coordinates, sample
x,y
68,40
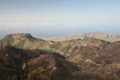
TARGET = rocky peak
x,y
19,36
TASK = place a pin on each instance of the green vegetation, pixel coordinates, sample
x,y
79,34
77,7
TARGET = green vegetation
x,y
86,59
37,73
56,39
66,46
60,39
38,70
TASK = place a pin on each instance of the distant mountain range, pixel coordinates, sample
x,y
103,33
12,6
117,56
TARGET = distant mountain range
x,y
95,35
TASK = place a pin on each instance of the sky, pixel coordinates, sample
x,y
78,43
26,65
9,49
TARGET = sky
x,y
52,18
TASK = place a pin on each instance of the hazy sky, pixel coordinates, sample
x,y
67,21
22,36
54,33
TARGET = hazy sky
x,y
49,18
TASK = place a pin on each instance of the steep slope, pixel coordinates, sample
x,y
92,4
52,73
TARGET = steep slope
x,y
19,64
110,54
12,61
106,63
86,54
22,40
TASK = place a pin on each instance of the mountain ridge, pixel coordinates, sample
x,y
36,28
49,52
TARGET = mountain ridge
x,y
82,58
22,64
95,35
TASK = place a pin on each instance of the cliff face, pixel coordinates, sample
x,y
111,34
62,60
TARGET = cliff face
x,y
18,40
95,35
20,36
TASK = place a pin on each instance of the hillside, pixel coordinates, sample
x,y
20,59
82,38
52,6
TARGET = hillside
x,y
22,40
47,65
56,39
110,54
85,59
104,65
19,64
26,41
98,35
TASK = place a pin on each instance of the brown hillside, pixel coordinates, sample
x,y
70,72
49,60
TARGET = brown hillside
x,y
19,64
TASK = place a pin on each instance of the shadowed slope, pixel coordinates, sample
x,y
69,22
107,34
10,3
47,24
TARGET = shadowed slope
x,y
19,64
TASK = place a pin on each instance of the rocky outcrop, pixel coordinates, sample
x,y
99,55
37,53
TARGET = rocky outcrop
x,y
18,40
21,36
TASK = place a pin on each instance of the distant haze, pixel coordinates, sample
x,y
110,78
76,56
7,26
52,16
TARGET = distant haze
x,y
51,18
